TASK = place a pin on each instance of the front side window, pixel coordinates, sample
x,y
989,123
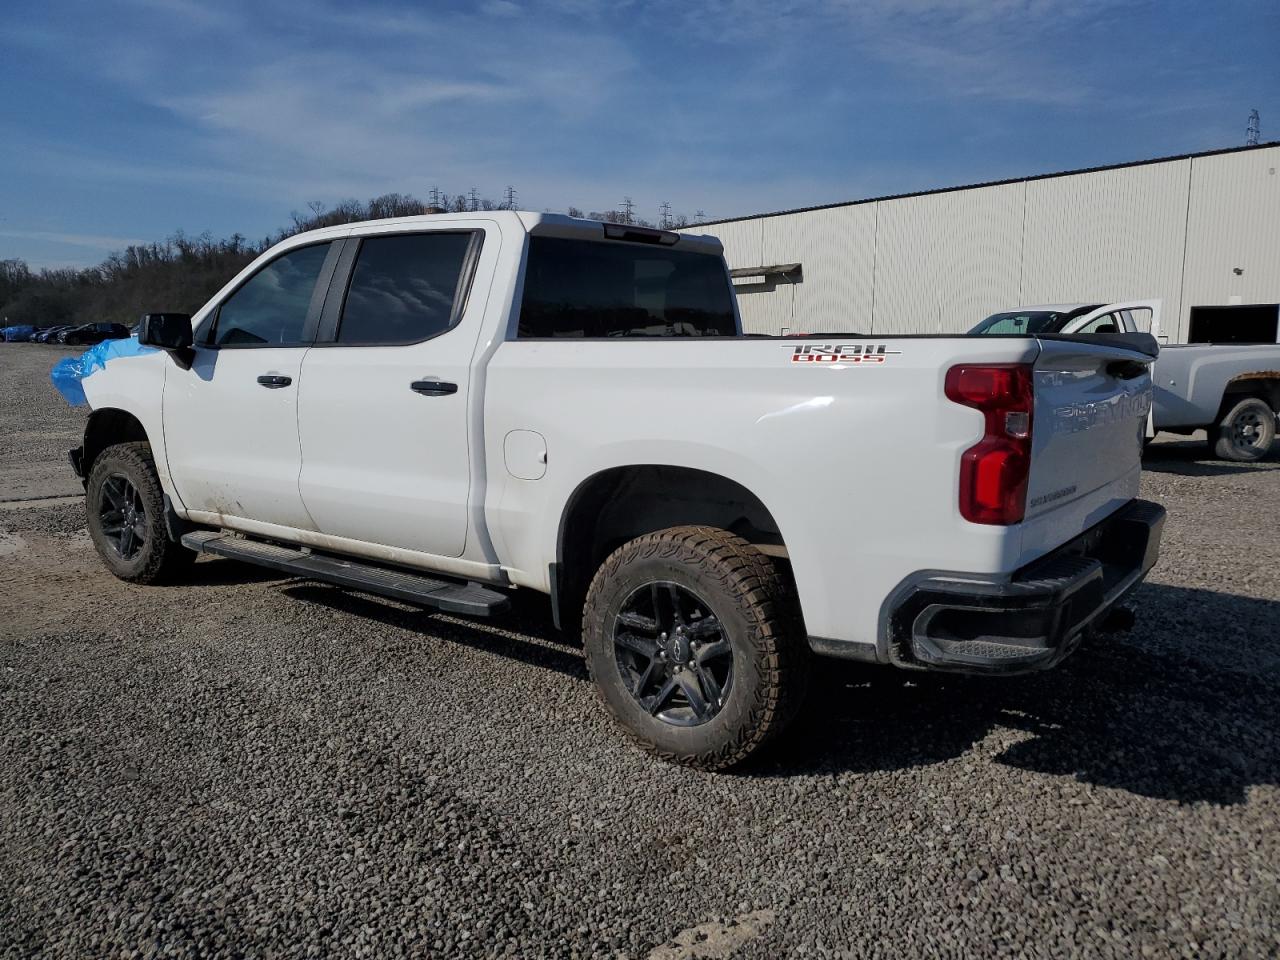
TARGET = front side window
x,y
271,307
591,289
403,288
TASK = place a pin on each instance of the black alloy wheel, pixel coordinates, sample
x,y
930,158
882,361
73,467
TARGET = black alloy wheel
x,y
673,654
123,516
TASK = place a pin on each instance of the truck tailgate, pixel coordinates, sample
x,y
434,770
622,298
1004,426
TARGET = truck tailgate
x,y
1091,402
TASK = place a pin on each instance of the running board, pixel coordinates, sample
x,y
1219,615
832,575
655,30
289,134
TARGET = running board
x,y
449,596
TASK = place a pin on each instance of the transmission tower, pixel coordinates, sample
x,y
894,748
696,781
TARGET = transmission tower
x,y
627,207
433,197
473,199
1253,131
509,197
664,220
699,215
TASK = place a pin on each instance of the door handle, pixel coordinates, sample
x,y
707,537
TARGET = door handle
x,y
274,381
433,388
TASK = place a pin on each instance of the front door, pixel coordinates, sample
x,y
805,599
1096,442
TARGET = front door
x,y
231,421
383,412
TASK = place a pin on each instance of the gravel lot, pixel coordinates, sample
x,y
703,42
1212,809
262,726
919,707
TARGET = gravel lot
x,y
252,765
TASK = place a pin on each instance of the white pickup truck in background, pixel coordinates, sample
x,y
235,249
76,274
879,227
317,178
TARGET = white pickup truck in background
x,y
446,408
1231,390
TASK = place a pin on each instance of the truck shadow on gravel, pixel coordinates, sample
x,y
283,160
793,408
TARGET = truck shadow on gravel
x,y
525,633
1185,708
1191,458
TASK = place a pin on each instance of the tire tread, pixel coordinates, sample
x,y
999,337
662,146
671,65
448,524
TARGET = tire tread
x,y
768,601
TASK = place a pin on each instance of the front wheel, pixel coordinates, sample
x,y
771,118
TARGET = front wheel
x,y
694,641
1247,431
125,507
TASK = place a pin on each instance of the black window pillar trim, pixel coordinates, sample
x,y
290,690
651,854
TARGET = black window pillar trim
x,y
336,291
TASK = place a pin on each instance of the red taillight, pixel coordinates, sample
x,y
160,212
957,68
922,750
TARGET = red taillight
x,y
993,472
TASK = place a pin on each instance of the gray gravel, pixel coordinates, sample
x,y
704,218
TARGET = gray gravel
x,y
36,422
250,765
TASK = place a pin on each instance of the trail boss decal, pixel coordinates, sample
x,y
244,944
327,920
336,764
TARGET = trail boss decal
x,y
842,353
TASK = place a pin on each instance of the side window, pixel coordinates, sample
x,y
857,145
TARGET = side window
x,y
1010,323
1107,323
403,288
271,307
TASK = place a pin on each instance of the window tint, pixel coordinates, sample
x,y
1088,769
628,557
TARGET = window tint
x,y
403,288
1024,324
584,288
271,308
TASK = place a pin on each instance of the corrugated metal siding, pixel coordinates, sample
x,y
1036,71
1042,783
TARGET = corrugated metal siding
x,y
1233,222
1113,235
941,262
743,248
945,262
836,249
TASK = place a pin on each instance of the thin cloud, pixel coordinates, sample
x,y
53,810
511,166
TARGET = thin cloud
x,y
88,240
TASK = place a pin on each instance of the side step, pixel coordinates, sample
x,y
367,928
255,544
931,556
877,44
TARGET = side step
x,y
449,596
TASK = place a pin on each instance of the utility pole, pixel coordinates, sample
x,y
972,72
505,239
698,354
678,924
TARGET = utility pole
x,y
509,198
664,219
1253,132
474,199
627,207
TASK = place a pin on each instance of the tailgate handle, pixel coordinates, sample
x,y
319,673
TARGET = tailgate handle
x,y
1126,369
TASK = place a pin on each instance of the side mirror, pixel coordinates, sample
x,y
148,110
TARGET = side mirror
x,y
168,331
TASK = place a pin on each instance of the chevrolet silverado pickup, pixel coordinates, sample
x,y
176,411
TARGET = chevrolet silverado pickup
x,y
444,409
1230,390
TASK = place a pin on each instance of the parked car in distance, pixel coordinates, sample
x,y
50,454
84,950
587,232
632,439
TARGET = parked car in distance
x,y
17,333
47,334
446,408
1231,390
90,333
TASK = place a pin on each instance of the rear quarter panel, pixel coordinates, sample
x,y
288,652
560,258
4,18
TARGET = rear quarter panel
x,y
858,463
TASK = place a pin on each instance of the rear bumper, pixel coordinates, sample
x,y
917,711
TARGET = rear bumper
x,y
976,624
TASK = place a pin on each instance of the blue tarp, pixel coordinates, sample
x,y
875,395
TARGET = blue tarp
x,y
23,330
68,372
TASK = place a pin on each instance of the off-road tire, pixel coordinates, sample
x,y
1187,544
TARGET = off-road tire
x,y
1227,445
159,559
756,605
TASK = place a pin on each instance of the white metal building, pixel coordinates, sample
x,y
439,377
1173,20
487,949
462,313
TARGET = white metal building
x,y
1196,230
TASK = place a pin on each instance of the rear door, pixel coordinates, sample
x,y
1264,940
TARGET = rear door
x,y
383,412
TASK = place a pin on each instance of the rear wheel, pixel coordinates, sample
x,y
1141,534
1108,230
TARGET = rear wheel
x,y
125,507
695,644
1246,432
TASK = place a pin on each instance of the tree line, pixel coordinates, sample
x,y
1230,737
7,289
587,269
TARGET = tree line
x,y
179,274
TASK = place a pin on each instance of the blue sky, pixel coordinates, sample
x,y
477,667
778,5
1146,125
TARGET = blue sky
x,y
130,119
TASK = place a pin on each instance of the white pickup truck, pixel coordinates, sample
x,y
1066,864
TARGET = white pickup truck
x,y
1230,390
445,408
